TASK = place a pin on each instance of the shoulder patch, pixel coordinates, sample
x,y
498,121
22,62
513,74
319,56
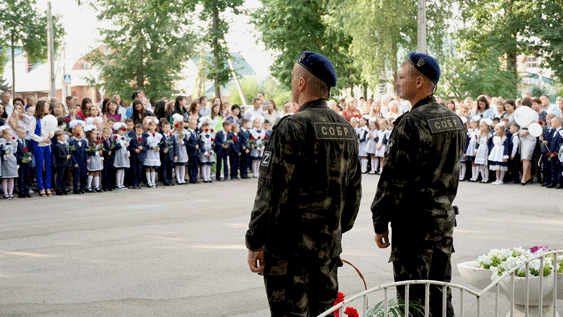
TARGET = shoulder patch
x,y
444,124
266,159
334,131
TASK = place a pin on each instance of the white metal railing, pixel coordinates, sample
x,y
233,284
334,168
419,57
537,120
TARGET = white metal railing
x,y
494,286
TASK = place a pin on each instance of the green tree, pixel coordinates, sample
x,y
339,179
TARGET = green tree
x,y
252,86
548,29
151,41
383,32
219,70
497,29
21,24
290,27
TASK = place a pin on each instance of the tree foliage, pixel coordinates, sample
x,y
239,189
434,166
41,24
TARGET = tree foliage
x,y
251,86
149,44
547,27
289,27
213,12
22,24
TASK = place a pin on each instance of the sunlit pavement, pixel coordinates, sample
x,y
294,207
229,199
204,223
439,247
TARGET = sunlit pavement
x,y
179,251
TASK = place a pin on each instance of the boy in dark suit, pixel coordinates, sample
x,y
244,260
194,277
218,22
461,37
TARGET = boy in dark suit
x,y
77,149
62,160
137,148
554,146
234,152
108,152
547,135
24,155
222,150
167,151
193,151
244,136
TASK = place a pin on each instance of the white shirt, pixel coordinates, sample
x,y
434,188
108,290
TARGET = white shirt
x,y
251,112
37,138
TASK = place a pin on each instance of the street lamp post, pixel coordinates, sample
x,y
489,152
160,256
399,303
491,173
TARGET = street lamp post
x,y
421,38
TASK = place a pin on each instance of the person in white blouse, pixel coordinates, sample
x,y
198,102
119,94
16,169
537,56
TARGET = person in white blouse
x,y
41,149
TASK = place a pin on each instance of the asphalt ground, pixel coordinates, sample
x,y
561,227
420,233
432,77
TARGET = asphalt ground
x,y
179,251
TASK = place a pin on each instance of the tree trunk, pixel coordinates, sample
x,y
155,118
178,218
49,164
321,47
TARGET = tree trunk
x,y
366,91
216,51
13,68
351,83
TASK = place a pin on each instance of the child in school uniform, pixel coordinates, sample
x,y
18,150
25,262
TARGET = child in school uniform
x,y
121,157
77,147
363,139
94,159
511,149
221,148
483,148
137,148
180,151
257,135
372,142
472,133
498,161
206,153
62,160
463,159
192,146
24,157
9,162
244,137
235,150
152,156
109,146
381,147
167,150
554,147
545,138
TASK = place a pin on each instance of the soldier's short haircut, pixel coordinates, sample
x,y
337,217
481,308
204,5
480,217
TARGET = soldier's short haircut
x,y
318,87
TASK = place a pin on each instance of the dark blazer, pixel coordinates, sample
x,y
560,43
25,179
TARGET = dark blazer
x,y
555,141
219,142
134,144
191,143
243,137
107,145
235,148
60,152
171,140
20,153
79,155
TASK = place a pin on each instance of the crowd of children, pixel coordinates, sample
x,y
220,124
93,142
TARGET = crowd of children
x,y
94,154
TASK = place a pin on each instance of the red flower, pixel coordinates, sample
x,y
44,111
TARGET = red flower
x,y
206,130
170,134
541,122
140,139
25,149
252,138
554,154
259,137
115,137
546,154
78,134
103,138
13,138
211,130
339,298
265,137
97,142
176,126
124,129
352,312
235,139
212,140
67,120
154,134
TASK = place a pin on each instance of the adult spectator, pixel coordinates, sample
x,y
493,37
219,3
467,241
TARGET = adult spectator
x,y
85,108
537,106
18,117
375,111
204,110
180,106
483,109
3,115
193,113
423,160
309,192
271,114
262,97
139,112
226,109
129,111
235,115
122,110
255,110
549,107
68,102
342,104
527,146
8,108
41,149
59,110
510,106
111,111
334,106
351,111
30,101
160,110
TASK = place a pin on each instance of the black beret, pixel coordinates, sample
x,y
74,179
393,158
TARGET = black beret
x,y
427,65
319,66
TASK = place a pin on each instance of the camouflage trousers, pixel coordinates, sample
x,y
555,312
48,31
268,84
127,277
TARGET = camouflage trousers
x,y
431,263
303,291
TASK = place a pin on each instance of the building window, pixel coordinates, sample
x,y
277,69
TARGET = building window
x,y
532,62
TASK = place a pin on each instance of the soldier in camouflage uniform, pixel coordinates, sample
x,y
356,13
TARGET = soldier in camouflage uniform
x,y
309,193
419,183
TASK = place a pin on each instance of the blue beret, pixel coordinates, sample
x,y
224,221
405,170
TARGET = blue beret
x,y
319,66
427,65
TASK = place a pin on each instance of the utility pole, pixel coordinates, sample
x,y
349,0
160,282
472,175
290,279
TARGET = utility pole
x,y
51,49
421,36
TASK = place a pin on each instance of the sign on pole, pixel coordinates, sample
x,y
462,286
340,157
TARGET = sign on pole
x,y
66,80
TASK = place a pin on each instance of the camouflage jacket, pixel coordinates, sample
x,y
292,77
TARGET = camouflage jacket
x,y
421,172
309,188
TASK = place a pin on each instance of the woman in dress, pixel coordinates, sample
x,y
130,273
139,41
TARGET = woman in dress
x,y
41,149
235,115
483,110
216,122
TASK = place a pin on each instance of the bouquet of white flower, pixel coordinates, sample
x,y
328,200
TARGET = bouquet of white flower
x,y
501,261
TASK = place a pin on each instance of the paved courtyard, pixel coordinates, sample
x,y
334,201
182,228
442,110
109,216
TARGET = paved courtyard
x,y
179,251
